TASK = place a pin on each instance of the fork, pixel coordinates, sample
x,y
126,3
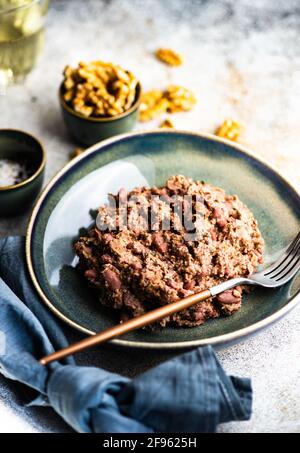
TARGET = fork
x,y
277,274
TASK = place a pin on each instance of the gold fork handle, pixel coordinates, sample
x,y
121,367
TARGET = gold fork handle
x,y
128,326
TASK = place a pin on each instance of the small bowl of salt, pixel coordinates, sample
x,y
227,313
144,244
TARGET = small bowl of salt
x,y
22,165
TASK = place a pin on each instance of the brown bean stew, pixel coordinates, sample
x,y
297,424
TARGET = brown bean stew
x,y
152,246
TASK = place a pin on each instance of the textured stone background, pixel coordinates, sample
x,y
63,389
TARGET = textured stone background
x,y
242,59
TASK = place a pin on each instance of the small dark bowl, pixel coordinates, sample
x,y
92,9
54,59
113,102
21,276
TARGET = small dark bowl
x,y
20,146
90,130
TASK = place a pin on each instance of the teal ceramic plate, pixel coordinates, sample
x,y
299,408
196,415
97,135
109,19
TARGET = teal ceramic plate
x,y
150,158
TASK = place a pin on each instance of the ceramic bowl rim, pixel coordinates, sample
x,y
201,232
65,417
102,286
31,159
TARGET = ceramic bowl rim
x,y
101,120
230,337
40,167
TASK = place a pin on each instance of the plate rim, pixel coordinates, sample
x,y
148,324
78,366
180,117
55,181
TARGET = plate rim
x,y
231,337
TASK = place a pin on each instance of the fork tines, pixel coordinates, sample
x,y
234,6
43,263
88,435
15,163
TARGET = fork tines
x,y
288,264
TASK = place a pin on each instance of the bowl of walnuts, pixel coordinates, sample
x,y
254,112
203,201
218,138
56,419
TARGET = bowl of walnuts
x,y
98,100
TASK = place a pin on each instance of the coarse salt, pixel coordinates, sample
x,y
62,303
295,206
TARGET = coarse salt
x,y
12,172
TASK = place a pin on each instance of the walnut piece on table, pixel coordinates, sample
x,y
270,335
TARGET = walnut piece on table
x,y
169,56
229,129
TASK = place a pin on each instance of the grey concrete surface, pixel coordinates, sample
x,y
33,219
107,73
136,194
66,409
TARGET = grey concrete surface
x,y
242,59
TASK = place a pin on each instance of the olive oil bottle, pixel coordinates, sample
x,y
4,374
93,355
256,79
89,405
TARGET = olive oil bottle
x,y
21,37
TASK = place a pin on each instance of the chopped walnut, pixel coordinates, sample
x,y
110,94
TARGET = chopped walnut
x,y
229,129
76,152
150,105
167,124
154,103
169,57
180,99
153,110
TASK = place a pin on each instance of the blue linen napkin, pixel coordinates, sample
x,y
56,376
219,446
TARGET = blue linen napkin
x,y
190,393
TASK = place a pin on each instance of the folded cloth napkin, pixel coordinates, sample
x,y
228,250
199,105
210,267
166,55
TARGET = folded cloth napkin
x,y
190,393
